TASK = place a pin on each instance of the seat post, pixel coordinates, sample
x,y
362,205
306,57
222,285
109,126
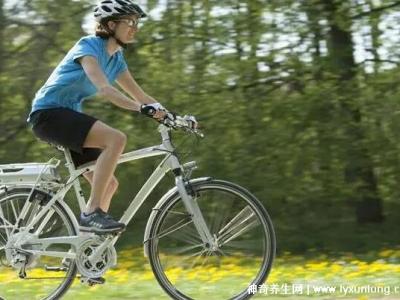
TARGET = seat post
x,y
77,187
70,164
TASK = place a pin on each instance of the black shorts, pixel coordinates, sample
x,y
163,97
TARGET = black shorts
x,y
68,128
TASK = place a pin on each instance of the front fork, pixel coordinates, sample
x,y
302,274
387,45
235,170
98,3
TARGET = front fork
x,y
190,203
193,209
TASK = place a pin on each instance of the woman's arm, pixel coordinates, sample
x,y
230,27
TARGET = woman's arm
x,y
126,81
105,89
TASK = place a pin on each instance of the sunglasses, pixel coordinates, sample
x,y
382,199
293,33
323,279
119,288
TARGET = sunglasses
x,y
130,22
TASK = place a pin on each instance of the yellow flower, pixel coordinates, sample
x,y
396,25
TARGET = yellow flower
x,y
352,275
335,268
386,253
317,266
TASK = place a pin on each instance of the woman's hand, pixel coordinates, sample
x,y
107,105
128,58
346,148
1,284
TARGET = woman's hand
x,y
160,115
154,110
192,122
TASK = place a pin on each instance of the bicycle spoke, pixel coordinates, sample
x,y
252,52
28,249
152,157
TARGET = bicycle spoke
x,y
53,228
54,224
19,209
190,257
223,252
187,236
216,216
239,230
14,211
182,260
4,238
243,245
182,250
243,215
198,254
175,212
208,254
174,227
217,219
224,217
33,212
45,221
183,232
5,223
240,224
1,214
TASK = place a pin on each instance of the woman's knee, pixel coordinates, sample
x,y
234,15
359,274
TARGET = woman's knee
x,y
118,139
114,183
88,176
103,136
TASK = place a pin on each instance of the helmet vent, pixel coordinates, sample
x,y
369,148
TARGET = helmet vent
x,y
119,10
106,8
122,2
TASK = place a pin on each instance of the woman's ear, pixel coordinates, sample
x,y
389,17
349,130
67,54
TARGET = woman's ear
x,y
111,25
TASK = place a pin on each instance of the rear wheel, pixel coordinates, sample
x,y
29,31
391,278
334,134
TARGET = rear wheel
x,y
46,277
243,250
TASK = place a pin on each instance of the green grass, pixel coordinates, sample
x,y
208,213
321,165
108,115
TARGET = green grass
x,y
133,279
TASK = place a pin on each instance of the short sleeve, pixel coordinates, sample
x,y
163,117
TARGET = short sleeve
x,y
85,47
122,66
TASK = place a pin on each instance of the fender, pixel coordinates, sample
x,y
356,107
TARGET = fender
x,y
159,204
71,215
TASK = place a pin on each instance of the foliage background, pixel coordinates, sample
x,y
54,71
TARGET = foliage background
x,y
299,101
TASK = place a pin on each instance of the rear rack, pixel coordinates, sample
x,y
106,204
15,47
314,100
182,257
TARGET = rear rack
x,y
30,174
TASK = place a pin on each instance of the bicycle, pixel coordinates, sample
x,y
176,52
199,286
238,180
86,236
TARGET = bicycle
x,y
202,230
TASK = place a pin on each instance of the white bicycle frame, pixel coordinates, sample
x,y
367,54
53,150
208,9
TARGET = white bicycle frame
x,y
170,162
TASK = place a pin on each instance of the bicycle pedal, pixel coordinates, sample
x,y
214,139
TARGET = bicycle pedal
x,y
106,235
117,233
91,232
93,281
56,269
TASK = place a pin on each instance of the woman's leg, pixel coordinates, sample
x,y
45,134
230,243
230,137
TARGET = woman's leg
x,y
110,191
112,142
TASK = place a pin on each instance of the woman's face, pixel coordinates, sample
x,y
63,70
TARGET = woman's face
x,y
126,28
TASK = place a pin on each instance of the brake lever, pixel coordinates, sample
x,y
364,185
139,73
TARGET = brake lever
x,y
197,132
169,123
175,124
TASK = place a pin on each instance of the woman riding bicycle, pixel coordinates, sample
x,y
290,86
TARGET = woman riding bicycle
x,y
91,67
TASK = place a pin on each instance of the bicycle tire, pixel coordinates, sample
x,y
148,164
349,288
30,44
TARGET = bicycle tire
x,y
60,290
166,209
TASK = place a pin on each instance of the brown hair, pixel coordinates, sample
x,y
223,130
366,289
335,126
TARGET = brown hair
x,y
102,29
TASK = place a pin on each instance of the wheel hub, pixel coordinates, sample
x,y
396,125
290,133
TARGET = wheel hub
x,y
16,256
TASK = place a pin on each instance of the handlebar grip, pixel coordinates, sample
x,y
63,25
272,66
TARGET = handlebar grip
x,y
148,110
176,122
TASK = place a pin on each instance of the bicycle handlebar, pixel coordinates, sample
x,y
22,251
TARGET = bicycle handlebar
x,y
181,123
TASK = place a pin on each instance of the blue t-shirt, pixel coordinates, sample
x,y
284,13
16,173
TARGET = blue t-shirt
x,y
68,85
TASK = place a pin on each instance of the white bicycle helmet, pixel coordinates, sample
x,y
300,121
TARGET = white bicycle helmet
x,y
117,8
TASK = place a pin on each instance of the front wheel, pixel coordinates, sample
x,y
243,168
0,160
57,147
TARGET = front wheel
x,y
241,255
